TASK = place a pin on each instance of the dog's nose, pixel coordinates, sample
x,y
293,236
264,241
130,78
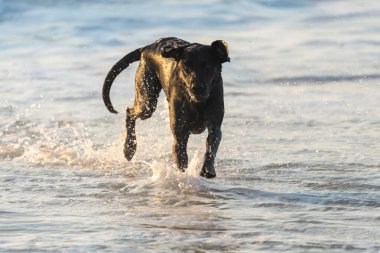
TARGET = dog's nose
x,y
197,87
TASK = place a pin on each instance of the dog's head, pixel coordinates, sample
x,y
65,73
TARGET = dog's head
x,y
199,66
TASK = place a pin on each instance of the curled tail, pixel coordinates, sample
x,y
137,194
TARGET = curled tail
x,y
114,72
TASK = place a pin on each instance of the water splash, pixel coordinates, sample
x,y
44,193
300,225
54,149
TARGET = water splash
x,y
74,144
58,143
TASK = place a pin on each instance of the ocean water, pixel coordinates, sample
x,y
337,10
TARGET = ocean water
x,y
298,169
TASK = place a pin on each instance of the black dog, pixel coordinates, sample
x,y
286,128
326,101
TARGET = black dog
x,y
190,74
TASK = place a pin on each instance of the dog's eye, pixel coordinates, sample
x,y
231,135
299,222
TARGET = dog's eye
x,y
187,68
188,63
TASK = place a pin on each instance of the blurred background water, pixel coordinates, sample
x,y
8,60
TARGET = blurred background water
x,y
299,164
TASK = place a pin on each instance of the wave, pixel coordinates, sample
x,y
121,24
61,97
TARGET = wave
x,y
322,79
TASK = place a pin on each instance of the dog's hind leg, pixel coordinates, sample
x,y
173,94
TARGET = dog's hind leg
x,y
130,138
148,88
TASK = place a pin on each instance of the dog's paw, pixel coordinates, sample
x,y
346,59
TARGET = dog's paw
x,y
208,172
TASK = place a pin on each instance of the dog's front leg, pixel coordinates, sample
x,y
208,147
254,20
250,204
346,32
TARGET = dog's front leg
x,y
213,139
179,149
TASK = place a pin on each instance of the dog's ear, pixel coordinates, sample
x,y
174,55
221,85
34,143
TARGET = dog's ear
x,y
171,52
220,49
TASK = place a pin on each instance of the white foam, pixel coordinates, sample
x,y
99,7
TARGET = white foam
x,y
166,180
62,143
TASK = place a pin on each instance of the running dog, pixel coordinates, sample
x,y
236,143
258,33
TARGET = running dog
x,y
190,75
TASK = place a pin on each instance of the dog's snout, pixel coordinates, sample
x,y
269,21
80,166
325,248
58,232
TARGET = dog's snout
x,y
197,87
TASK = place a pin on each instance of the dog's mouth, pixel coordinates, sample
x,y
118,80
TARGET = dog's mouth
x,y
198,97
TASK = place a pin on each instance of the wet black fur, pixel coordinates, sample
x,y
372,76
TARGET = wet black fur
x,y
190,75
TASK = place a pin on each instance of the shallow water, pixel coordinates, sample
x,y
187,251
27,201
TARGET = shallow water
x,y
299,165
